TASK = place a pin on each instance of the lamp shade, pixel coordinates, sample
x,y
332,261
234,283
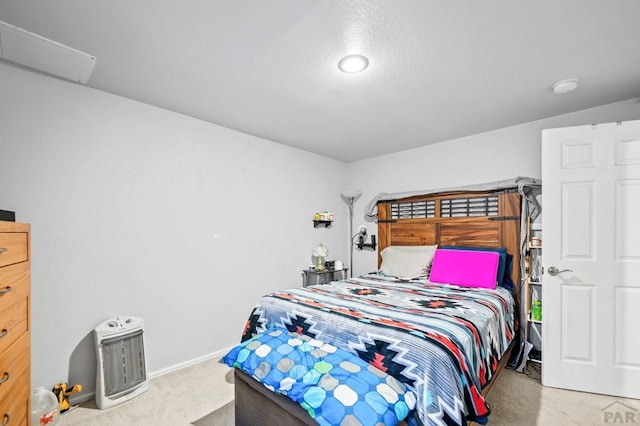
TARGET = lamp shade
x,y
320,251
351,194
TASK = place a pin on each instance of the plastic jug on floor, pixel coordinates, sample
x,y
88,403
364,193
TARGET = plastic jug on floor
x,y
44,407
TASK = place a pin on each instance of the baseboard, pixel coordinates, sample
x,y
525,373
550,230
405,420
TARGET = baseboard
x,y
81,398
84,397
189,363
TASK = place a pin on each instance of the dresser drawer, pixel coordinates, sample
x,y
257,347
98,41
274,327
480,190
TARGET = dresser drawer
x,y
13,249
13,323
14,362
14,407
14,284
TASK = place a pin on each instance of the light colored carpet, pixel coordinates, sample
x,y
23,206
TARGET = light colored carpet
x,y
201,395
175,399
520,399
223,416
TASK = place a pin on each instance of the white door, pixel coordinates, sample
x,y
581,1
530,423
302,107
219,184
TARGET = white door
x,y
591,226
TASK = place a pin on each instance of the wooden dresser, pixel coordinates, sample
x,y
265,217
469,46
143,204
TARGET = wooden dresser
x,y
15,323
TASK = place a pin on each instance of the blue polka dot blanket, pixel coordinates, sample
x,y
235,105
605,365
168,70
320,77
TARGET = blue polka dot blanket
x,y
442,342
333,385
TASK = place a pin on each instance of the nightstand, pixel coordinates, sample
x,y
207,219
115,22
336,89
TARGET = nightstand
x,y
314,277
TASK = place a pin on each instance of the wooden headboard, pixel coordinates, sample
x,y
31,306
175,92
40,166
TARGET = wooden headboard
x,y
481,219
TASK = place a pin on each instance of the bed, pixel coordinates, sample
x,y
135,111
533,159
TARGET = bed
x,y
445,343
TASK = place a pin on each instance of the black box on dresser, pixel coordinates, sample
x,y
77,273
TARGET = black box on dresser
x,y
7,216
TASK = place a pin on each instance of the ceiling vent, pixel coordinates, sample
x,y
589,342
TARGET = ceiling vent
x,y
33,51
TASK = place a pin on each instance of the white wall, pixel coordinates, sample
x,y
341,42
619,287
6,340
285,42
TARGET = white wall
x,y
497,155
140,211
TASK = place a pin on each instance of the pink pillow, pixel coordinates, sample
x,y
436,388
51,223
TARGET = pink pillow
x,y
465,268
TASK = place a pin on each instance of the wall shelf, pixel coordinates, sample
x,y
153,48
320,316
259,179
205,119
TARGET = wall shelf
x,y
320,223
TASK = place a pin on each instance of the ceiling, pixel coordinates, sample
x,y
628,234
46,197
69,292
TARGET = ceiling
x,y
438,69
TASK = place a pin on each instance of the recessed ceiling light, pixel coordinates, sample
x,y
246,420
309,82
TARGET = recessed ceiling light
x,y
565,86
353,63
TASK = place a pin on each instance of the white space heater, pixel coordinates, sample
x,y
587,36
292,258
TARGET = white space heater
x,y
122,363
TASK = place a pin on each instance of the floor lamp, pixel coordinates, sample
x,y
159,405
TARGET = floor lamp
x,y
350,197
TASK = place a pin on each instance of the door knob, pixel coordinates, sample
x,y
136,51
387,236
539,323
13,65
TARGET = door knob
x,y
553,271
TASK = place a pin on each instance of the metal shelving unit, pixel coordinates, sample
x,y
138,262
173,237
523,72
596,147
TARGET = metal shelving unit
x,y
533,288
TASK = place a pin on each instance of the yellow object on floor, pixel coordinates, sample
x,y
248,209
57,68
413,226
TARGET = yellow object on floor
x,y
62,392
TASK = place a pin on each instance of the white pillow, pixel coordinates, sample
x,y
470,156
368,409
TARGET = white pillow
x,y
407,261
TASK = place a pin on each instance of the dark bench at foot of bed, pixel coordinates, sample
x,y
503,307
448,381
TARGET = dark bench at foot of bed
x,y
255,405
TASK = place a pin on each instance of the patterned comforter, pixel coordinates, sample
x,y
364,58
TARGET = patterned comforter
x,y
442,341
